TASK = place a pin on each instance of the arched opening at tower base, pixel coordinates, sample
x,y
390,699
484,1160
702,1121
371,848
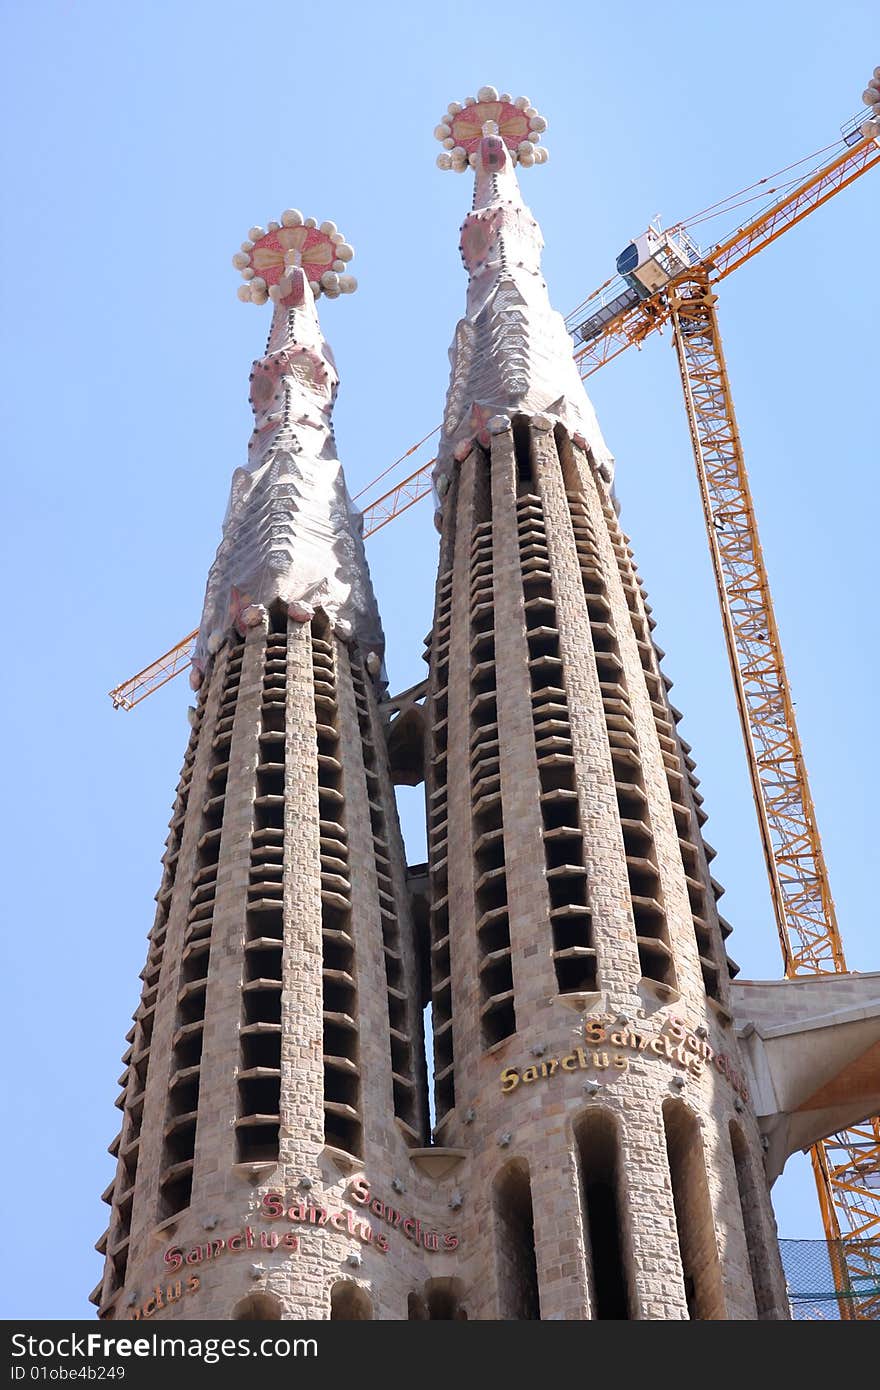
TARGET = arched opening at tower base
x,y
754,1225
518,1297
439,1301
257,1307
598,1145
349,1302
693,1212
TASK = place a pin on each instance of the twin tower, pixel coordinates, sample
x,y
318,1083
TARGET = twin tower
x,y
592,1149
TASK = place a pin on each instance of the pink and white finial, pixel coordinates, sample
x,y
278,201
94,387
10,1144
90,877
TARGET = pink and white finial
x,y
490,114
275,260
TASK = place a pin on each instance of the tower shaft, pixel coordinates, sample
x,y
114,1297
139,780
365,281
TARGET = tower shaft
x,y
573,900
277,1048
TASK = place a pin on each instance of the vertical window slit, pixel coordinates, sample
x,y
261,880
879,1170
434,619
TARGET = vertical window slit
x,y
679,769
522,452
574,954
343,1127
516,1262
598,1146
497,1005
259,1078
181,1112
401,1042
137,1057
693,1212
436,793
438,854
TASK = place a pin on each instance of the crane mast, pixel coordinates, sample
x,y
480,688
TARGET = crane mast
x,y
799,885
793,855
847,1164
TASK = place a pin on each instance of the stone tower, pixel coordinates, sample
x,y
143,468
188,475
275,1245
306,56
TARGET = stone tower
x,y
277,1049
584,1045
609,1105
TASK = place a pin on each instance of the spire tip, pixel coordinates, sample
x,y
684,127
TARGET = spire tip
x,y
274,261
464,124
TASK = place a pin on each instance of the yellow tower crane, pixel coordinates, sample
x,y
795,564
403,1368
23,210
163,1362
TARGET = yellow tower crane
x,y
664,278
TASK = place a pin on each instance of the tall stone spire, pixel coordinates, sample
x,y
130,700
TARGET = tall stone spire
x,y
291,533
275,1069
572,915
511,353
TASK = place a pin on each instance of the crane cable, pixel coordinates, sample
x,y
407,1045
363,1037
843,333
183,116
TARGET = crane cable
x,y
706,214
717,209
702,214
392,466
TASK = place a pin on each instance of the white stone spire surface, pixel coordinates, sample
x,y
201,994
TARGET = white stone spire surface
x,y
291,533
512,354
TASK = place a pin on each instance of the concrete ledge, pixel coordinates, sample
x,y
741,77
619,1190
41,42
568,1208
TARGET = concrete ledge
x,y
437,1163
812,1051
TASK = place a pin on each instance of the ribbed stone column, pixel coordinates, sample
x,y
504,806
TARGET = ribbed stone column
x,y
534,980
451,864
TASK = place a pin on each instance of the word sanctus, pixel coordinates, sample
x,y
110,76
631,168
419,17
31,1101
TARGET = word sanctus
x,y
245,1239
173,1293
676,1042
273,1207
411,1226
579,1060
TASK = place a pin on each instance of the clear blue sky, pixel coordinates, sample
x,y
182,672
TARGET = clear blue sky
x,y
141,143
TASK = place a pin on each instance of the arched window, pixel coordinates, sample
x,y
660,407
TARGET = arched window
x,y
598,1145
515,1244
416,1308
258,1307
439,1301
693,1212
753,1224
350,1302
